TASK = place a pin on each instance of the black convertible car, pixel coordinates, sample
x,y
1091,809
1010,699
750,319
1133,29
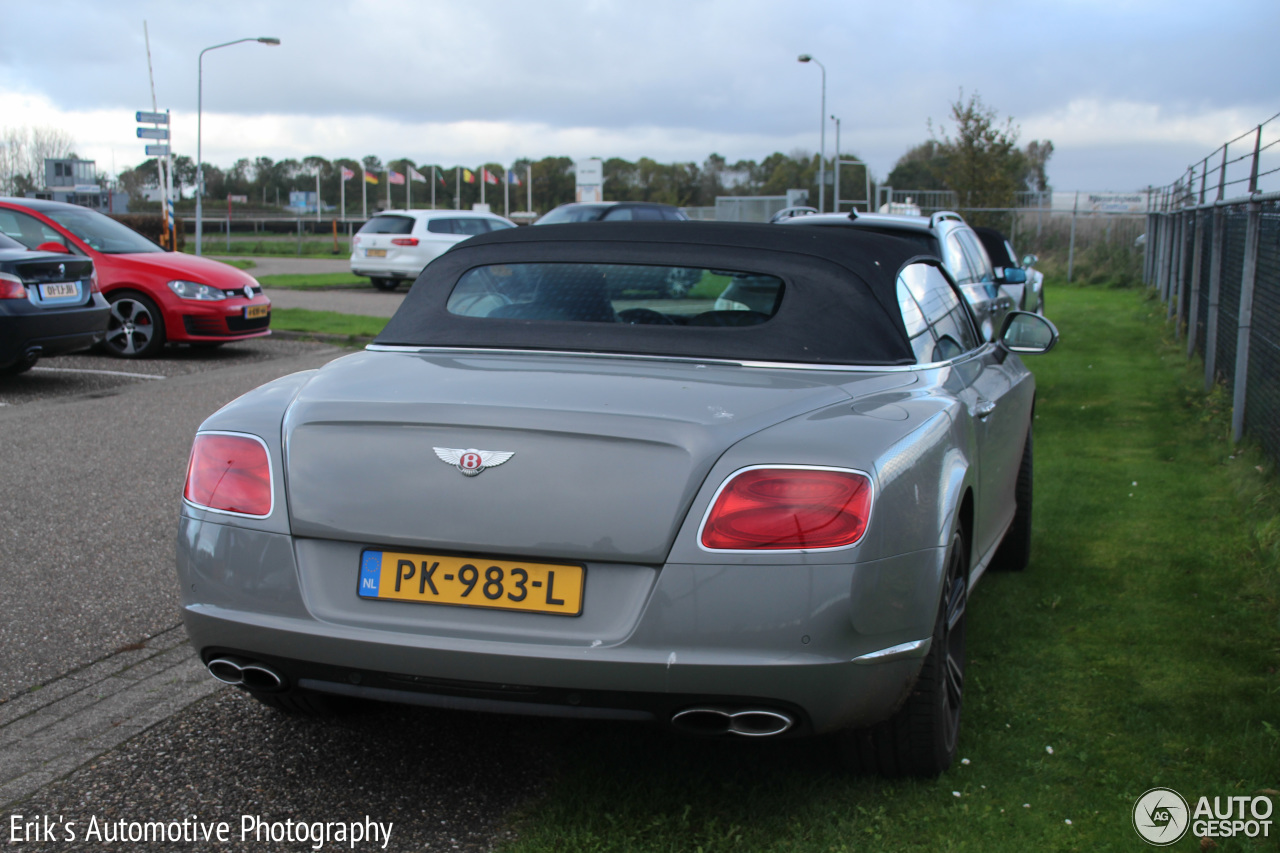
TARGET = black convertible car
x,y
49,304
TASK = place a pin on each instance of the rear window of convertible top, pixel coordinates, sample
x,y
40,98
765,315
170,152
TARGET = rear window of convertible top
x,y
617,293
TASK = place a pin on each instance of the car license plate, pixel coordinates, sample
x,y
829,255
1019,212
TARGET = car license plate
x,y
471,582
252,311
60,290
375,253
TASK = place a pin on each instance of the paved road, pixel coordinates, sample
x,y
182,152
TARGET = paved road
x,y
374,303
93,465
104,713
345,300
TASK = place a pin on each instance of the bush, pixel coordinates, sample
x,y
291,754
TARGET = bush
x,y
151,226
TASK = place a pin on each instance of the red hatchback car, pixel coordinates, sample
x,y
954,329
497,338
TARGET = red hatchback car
x,y
156,297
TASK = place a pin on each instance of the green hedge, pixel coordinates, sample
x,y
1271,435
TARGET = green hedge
x,y
151,226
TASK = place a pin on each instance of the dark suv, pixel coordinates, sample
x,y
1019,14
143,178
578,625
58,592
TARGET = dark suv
x,y
946,236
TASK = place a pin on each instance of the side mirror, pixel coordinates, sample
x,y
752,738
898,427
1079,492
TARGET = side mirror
x,y
1029,261
53,246
1027,334
1011,275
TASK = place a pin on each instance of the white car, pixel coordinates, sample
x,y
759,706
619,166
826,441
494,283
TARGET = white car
x,y
395,245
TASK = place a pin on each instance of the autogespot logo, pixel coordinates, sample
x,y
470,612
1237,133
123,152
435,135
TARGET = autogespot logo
x,y
1161,816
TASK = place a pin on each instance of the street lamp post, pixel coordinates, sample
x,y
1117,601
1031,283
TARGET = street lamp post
x,y
822,124
199,117
835,205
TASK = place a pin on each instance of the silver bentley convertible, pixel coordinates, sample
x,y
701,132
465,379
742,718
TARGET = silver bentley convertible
x,y
755,509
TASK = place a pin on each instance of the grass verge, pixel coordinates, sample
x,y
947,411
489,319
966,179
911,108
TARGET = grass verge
x,y
1140,649
314,281
326,322
287,247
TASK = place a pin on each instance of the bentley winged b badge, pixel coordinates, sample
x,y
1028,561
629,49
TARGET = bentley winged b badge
x,y
471,461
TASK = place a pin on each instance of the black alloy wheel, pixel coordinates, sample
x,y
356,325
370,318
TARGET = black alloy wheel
x,y
921,739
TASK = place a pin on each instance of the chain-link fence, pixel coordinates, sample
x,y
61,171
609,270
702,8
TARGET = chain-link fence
x,y
1216,264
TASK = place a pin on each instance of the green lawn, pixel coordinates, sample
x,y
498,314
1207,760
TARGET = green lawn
x,y
215,245
326,322
314,281
1140,649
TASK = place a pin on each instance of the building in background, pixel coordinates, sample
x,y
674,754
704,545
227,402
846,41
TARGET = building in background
x,y
75,181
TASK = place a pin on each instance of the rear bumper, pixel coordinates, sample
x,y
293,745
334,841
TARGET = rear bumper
x,y
54,331
651,642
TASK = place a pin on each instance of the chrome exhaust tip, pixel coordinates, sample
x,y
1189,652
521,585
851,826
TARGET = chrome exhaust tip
x,y
254,676
745,722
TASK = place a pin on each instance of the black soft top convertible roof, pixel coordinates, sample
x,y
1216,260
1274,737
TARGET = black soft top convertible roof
x,y
839,305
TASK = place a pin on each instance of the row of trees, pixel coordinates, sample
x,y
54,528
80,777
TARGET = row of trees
x,y
979,160
23,151
268,182
981,163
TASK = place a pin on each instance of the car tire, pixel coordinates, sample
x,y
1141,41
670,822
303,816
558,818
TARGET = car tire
x,y
22,365
386,284
135,328
1014,553
921,738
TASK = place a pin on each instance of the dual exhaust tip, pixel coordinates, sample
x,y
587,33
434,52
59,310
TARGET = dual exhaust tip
x,y
249,674
745,722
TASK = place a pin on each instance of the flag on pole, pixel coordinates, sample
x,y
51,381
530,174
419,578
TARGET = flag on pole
x,y
394,177
439,176
489,177
468,176
370,178
347,174
513,178
415,175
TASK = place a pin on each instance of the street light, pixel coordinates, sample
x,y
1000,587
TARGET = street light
x,y
835,201
199,116
822,124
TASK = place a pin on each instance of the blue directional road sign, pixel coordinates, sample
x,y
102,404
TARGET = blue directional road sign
x,y
157,150
152,118
153,133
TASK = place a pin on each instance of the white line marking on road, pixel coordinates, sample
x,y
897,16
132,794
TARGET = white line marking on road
x,y
103,372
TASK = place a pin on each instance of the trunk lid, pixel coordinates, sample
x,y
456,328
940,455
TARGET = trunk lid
x,y
608,454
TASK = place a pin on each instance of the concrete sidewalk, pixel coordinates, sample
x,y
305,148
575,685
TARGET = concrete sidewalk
x,y
372,303
49,733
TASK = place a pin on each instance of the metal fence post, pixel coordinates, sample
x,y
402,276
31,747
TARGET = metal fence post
x,y
1246,317
1180,277
1148,255
1166,255
1197,255
1071,252
1215,295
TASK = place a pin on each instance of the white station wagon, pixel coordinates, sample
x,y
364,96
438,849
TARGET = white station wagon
x,y
395,245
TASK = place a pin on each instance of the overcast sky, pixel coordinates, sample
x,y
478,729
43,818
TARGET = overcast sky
x,y
1130,92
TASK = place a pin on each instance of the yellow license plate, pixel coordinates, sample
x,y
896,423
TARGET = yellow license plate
x,y
252,311
470,582
375,253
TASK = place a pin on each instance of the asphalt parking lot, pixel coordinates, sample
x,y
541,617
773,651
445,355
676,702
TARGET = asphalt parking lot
x,y
93,459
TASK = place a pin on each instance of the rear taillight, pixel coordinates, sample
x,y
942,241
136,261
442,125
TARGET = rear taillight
x,y
771,509
94,287
229,473
404,241
11,287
